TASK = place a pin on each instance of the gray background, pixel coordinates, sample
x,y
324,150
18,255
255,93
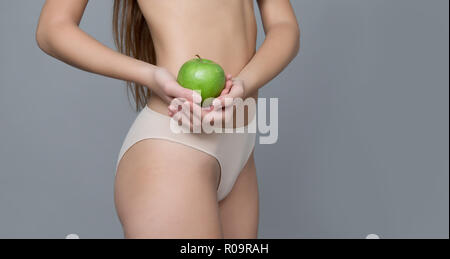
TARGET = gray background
x,y
363,142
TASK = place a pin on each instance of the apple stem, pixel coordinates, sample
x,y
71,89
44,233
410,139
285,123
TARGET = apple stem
x,y
198,56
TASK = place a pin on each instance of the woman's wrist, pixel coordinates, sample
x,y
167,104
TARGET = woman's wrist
x,y
246,83
147,75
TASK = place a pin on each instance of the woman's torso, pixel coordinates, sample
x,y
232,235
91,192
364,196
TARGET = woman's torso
x,y
221,30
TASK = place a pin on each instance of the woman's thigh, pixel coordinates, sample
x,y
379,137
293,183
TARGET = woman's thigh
x,y
239,211
167,190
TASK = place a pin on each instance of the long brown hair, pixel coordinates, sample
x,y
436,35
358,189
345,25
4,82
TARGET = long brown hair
x,y
133,38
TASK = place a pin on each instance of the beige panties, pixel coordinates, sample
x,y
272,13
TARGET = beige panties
x,y
232,150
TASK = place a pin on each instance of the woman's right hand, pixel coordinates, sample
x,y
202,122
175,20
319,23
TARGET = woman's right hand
x,y
166,86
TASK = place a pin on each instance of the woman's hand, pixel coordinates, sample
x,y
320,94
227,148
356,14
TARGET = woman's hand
x,y
224,106
166,86
236,90
220,110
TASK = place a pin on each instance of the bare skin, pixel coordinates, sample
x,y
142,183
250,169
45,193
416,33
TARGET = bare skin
x,y
164,189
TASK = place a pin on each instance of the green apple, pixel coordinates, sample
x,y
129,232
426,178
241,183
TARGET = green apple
x,y
203,76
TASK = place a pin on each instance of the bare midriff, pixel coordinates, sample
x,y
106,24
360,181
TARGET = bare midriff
x,y
224,31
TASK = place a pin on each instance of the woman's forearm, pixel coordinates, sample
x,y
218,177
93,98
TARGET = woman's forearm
x,y
68,43
281,45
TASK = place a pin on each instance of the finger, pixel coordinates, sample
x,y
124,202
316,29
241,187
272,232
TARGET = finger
x,y
193,113
195,110
177,91
222,102
216,116
232,97
196,123
219,103
177,117
187,109
229,81
221,116
227,88
183,121
176,106
172,110
205,111
228,99
225,91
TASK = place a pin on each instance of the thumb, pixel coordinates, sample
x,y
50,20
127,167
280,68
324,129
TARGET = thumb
x,y
177,91
191,95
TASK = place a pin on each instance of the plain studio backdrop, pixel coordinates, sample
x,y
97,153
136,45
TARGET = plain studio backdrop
x,y
363,134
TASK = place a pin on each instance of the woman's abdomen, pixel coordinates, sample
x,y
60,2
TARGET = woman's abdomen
x,y
222,31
